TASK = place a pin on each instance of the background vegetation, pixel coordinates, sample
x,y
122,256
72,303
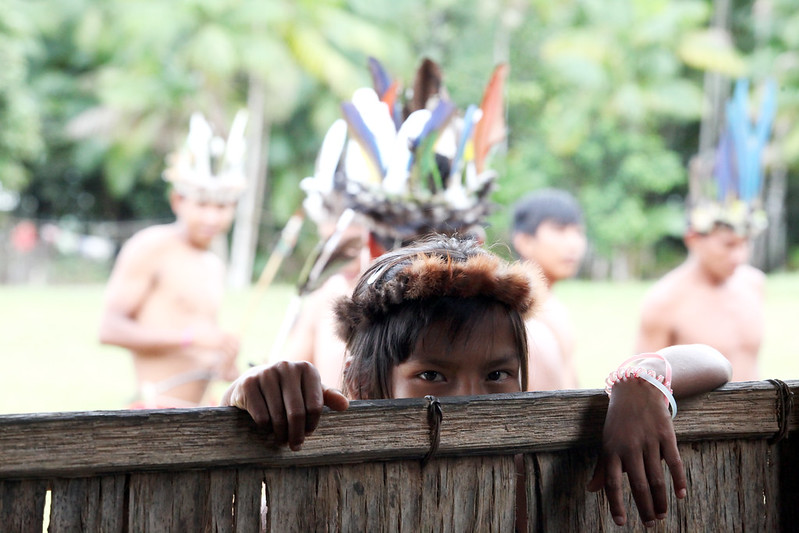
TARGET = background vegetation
x,y
605,98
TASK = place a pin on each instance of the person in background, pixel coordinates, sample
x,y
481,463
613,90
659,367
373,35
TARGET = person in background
x,y
164,294
390,171
714,296
548,231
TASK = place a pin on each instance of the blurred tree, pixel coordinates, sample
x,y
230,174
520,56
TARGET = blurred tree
x,y
133,72
602,98
20,139
769,32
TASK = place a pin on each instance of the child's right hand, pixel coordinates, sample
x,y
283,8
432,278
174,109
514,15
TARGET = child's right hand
x,y
638,435
287,397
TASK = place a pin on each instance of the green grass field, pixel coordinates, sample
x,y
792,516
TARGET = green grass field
x,y
51,360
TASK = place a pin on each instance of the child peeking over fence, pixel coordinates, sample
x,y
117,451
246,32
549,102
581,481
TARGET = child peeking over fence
x,y
446,318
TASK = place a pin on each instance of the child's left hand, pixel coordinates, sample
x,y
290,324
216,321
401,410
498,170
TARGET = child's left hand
x,y
637,435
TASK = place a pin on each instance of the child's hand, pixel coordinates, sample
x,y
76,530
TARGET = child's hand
x,y
286,397
637,435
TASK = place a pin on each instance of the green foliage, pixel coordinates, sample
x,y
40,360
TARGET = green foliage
x,y
20,138
604,96
595,85
118,79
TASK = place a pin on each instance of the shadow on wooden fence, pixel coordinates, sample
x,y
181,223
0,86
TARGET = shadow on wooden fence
x,y
212,470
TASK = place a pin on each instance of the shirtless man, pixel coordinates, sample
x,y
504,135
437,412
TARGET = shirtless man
x,y
548,231
163,297
714,297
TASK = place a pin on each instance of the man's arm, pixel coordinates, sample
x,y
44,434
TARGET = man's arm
x,y
131,282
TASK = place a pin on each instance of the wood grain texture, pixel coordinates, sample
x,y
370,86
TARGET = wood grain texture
x,y
174,501
213,471
84,444
732,486
22,505
446,495
249,506
88,504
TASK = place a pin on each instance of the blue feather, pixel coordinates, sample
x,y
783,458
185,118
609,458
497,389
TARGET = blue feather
x,y
360,132
380,78
749,140
723,168
438,120
468,127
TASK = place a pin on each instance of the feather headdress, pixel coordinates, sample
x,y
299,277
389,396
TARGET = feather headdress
x,y
726,185
410,167
207,167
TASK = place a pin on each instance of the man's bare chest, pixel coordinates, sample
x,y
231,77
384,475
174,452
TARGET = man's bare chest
x,y
727,321
191,281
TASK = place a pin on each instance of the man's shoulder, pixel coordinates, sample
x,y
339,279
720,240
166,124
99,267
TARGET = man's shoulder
x,y
751,273
668,288
751,277
153,237
147,245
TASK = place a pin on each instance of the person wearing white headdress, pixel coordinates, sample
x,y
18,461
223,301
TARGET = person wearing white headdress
x,y
164,294
390,171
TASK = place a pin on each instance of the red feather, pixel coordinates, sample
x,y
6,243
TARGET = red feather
x,y
491,128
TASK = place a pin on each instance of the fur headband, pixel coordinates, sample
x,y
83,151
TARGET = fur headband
x,y
426,276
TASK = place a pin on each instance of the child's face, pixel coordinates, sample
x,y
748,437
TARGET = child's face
x,y
484,361
556,248
204,220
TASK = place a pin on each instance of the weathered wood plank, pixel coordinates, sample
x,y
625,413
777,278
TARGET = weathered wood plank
x,y
174,501
447,495
222,490
22,505
732,486
88,504
88,443
248,506
469,494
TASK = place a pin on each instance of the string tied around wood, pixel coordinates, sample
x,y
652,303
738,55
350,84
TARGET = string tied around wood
x,y
434,417
783,409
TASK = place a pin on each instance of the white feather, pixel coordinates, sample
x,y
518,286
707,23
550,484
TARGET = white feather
x,y
198,141
330,155
377,117
396,180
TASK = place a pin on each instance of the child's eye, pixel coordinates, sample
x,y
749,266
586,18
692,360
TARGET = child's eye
x,y
498,375
431,375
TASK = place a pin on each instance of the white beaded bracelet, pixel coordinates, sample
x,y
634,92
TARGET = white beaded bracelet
x,y
662,383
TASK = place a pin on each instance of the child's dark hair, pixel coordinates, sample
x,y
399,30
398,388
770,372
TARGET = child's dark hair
x,y
556,205
443,280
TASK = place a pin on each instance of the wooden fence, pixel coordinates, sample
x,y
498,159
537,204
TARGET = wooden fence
x,y
362,470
